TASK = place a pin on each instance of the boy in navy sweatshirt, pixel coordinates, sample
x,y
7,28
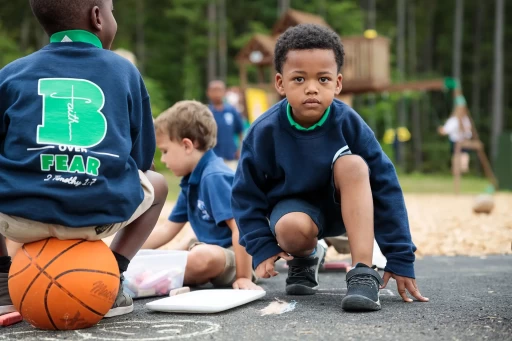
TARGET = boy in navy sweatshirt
x,y
76,141
311,168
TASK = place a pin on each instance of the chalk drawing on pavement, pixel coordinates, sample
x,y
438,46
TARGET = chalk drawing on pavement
x,y
125,330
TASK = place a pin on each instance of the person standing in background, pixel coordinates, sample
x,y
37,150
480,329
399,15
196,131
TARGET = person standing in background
x,y
458,128
229,124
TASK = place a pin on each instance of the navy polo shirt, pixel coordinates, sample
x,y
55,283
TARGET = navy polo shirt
x,y
229,124
205,201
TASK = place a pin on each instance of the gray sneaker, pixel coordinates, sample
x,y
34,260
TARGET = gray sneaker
x,y
123,304
5,300
303,273
362,289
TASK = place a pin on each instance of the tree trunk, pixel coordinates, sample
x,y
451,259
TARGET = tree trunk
x,y
400,157
322,8
371,15
25,31
497,98
477,56
457,40
416,124
140,43
283,6
411,35
223,45
212,43
370,24
428,47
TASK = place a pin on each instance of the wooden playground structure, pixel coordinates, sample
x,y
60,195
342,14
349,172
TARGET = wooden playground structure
x,y
367,69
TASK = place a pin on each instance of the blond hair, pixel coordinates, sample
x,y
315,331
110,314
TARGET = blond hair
x,y
189,119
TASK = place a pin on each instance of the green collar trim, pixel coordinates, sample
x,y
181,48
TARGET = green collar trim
x,y
76,36
298,126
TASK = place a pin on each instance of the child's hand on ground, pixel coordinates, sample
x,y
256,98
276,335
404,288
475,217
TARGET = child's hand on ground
x,y
402,284
266,268
245,284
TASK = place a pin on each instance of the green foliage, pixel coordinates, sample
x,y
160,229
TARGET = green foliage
x,y
157,96
159,166
9,50
175,44
346,18
254,27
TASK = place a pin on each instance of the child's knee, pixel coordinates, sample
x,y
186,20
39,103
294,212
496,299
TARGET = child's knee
x,y
350,169
202,259
159,185
296,229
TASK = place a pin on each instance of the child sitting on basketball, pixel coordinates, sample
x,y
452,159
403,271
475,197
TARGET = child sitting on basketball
x,y
186,134
311,168
76,141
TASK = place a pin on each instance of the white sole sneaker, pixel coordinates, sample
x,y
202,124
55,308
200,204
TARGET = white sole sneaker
x,y
6,309
119,311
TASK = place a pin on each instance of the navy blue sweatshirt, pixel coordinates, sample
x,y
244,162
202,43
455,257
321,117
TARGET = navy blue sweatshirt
x,y
279,161
75,128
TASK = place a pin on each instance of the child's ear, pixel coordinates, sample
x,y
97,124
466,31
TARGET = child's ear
x,y
188,144
95,19
279,84
339,81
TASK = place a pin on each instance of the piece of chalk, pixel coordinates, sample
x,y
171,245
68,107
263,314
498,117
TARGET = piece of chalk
x,y
336,265
146,292
152,280
179,291
11,318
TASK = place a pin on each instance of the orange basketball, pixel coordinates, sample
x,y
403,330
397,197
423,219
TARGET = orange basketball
x,y
63,284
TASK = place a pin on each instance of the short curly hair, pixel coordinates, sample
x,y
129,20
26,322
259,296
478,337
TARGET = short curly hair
x,y
307,37
61,15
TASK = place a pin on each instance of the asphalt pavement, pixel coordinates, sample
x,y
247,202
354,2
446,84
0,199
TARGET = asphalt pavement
x,y
470,299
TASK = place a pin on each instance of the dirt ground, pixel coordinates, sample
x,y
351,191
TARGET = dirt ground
x,y
442,225
446,225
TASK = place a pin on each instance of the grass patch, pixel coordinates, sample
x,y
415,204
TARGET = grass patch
x,y
421,183
411,183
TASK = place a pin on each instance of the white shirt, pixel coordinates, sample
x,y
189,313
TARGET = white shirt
x,y
451,127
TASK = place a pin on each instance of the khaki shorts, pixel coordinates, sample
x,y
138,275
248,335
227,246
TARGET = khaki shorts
x,y
228,276
23,230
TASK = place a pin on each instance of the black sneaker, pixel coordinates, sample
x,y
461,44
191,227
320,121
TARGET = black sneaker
x,y
303,273
5,300
123,304
362,289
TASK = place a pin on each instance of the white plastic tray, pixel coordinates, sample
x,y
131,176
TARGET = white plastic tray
x,y
205,301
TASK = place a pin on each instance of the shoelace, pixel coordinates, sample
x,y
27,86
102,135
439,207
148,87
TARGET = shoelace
x,y
363,280
299,271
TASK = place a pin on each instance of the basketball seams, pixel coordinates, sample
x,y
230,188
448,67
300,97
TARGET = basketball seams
x,y
28,256
19,272
41,270
44,284
60,286
73,297
42,248
46,306
86,270
54,281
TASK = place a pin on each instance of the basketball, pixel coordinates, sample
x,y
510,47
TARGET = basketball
x,y
63,284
